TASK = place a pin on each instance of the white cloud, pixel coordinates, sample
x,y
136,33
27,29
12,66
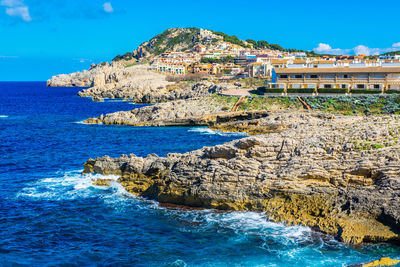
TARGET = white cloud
x,y
108,7
365,50
17,8
20,11
358,50
11,3
322,48
327,49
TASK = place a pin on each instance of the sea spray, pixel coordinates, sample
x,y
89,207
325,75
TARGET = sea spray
x,y
52,216
68,186
208,131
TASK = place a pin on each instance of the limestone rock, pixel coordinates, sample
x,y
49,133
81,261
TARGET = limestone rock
x,y
137,83
382,262
292,174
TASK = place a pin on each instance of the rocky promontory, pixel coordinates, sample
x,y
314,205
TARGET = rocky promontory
x,y
216,112
97,75
337,174
137,83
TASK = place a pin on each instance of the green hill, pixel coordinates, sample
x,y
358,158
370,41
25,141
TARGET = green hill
x,y
184,39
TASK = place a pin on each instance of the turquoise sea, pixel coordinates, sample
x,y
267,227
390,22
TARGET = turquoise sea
x,y
50,215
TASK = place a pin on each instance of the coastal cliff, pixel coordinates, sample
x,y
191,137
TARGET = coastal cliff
x,y
337,174
136,83
96,75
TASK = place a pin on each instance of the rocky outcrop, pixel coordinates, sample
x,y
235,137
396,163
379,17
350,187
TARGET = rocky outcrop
x,y
95,76
112,80
136,83
208,111
180,112
76,79
338,175
116,81
381,262
145,89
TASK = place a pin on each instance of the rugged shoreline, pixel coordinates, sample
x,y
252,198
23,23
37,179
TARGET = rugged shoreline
x,y
337,174
216,112
136,83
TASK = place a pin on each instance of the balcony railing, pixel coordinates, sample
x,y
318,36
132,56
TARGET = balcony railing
x,y
327,79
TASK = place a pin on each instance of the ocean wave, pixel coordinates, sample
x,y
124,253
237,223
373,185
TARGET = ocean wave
x,y
241,223
208,131
4,116
84,123
70,185
286,244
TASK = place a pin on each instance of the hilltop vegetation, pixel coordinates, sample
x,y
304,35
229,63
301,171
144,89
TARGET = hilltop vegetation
x,y
232,39
391,53
174,39
184,39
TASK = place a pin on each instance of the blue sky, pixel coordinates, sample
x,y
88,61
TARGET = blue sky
x,y
42,38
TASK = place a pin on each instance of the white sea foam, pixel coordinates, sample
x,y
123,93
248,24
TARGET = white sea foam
x,y
245,227
242,223
257,222
241,228
84,123
178,263
80,122
287,242
208,131
70,185
4,116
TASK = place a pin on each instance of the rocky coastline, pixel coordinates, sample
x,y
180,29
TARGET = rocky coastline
x,y
330,164
215,112
136,83
336,174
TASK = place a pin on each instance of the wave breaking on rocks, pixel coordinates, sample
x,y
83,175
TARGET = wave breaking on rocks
x,y
336,174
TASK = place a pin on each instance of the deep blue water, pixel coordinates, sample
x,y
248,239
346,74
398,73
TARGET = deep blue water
x,y
51,215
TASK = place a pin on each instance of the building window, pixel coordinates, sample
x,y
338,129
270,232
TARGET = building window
x,y
344,86
361,76
297,76
313,76
376,86
360,86
283,76
345,76
328,86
